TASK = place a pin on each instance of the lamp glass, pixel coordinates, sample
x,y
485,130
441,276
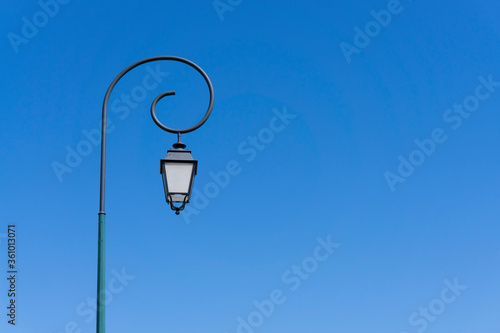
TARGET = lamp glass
x,y
179,177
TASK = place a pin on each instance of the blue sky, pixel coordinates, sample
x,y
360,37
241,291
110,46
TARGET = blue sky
x,y
363,188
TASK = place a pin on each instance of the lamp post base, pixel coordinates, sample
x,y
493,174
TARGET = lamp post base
x,y
100,327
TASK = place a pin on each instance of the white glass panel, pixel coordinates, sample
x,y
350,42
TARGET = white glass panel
x,y
178,176
177,197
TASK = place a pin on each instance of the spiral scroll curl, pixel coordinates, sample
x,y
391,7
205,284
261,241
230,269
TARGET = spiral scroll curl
x,y
168,93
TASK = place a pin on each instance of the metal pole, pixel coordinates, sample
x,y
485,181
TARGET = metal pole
x,y
101,309
100,276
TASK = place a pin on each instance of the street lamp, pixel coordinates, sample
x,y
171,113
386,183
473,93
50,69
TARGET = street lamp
x,y
178,169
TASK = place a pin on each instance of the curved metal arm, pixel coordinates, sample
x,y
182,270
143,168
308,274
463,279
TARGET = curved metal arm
x,y
153,106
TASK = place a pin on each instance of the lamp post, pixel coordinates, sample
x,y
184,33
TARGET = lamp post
x,y
178,169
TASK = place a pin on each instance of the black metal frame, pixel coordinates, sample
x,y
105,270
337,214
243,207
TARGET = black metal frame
x,y
180,208
178,155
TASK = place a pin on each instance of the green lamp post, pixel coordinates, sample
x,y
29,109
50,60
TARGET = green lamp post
x,y
178,169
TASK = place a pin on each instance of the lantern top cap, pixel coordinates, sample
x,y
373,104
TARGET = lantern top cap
x,y
179,155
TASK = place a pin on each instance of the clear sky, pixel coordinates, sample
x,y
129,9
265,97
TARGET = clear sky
x,y
347,179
